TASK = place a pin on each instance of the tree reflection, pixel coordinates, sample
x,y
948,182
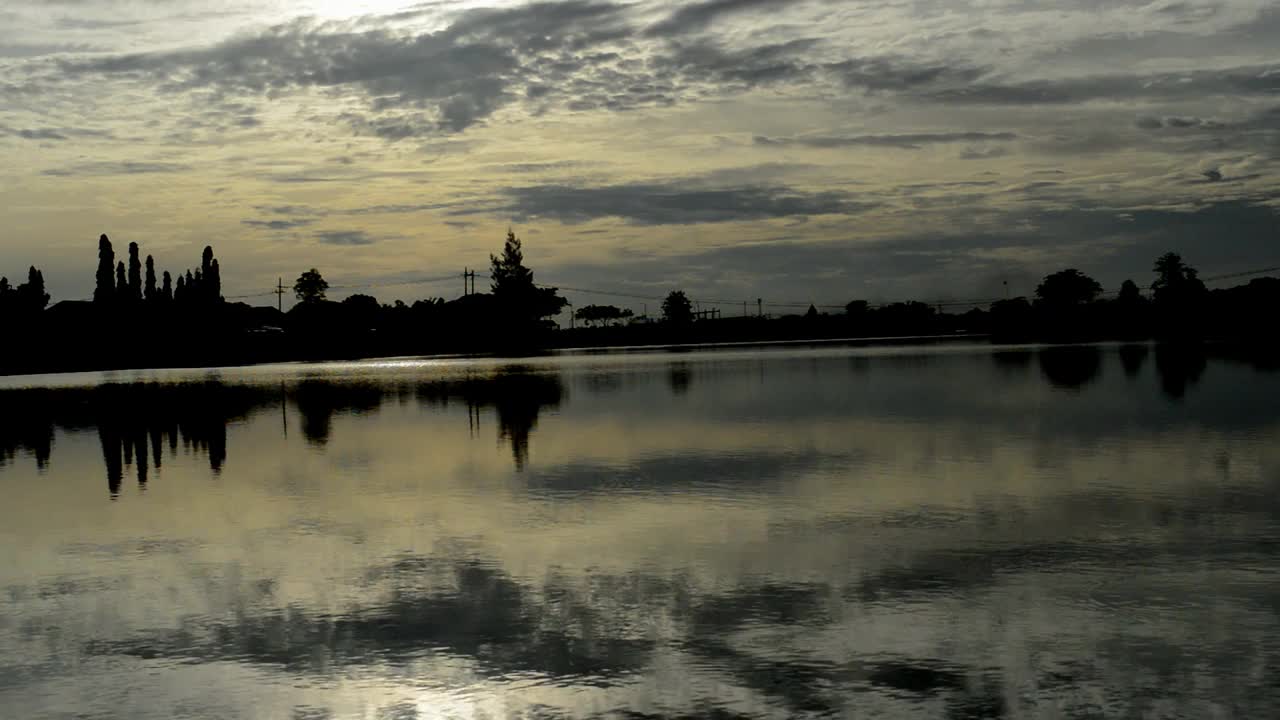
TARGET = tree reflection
x,y
517,395
1132,358
1180,367
1071,367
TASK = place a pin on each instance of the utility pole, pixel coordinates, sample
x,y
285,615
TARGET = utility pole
x,y
279,291
464,281
759,307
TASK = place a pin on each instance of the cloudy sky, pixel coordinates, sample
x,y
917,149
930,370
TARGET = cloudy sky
x,y
797,151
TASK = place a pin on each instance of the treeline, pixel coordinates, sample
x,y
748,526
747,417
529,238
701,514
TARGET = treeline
x,y
514,317
1067,306
25,299
118,284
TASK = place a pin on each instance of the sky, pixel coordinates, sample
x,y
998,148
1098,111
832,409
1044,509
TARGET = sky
x,y
810,151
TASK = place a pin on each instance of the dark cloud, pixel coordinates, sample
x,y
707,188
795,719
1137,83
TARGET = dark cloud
x,y
909,141
345,237
117,168
457,80
897,74
51,133
278,224
692,17
673,203
1238,81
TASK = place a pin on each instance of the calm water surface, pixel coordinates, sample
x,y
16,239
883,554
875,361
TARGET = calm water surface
x,y
938,531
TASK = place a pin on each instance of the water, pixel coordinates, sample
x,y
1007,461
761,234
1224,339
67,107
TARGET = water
x,y
927,531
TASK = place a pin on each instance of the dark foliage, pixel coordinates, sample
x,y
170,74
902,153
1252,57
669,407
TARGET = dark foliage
x,y
677,309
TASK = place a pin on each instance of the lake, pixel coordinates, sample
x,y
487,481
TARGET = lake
x,y
949,530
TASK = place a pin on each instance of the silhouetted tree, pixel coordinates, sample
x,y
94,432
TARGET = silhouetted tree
x,y
209,277
310,287
676,308
1129,293
509,275
180,292
122,284
30,295
362,310
857,308
149,291
105,290
1178,294
1068,288
601,313
166,290
1176,282
521,301
135,273
215,282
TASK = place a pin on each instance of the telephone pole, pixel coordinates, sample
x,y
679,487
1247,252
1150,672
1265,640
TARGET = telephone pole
x,y
279,291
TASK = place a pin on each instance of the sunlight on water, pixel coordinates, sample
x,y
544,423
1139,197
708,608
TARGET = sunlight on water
x,y
951,531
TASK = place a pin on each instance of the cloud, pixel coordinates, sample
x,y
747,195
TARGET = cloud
x,y
909,141
278,224
345,237
1238,81
105,168
673,203
49,133
696,16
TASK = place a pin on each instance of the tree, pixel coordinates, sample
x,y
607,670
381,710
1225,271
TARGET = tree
x,y
122,284
215,282
521,300
511,279
1068,288
166,290
677,309
1129,294
135,273
310,287
149,291
1176,282
601,313
31,295
857,308
105,289
180,291
210,276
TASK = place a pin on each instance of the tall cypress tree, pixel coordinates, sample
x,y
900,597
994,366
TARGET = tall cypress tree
x,y
180,292
214,280
105,290
166,290
135,273
149,292
122,284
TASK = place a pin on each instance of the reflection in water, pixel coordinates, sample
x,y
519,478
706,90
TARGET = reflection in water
x,y
678,377
1132,357
805,533
1179,368
1070,367
132,420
